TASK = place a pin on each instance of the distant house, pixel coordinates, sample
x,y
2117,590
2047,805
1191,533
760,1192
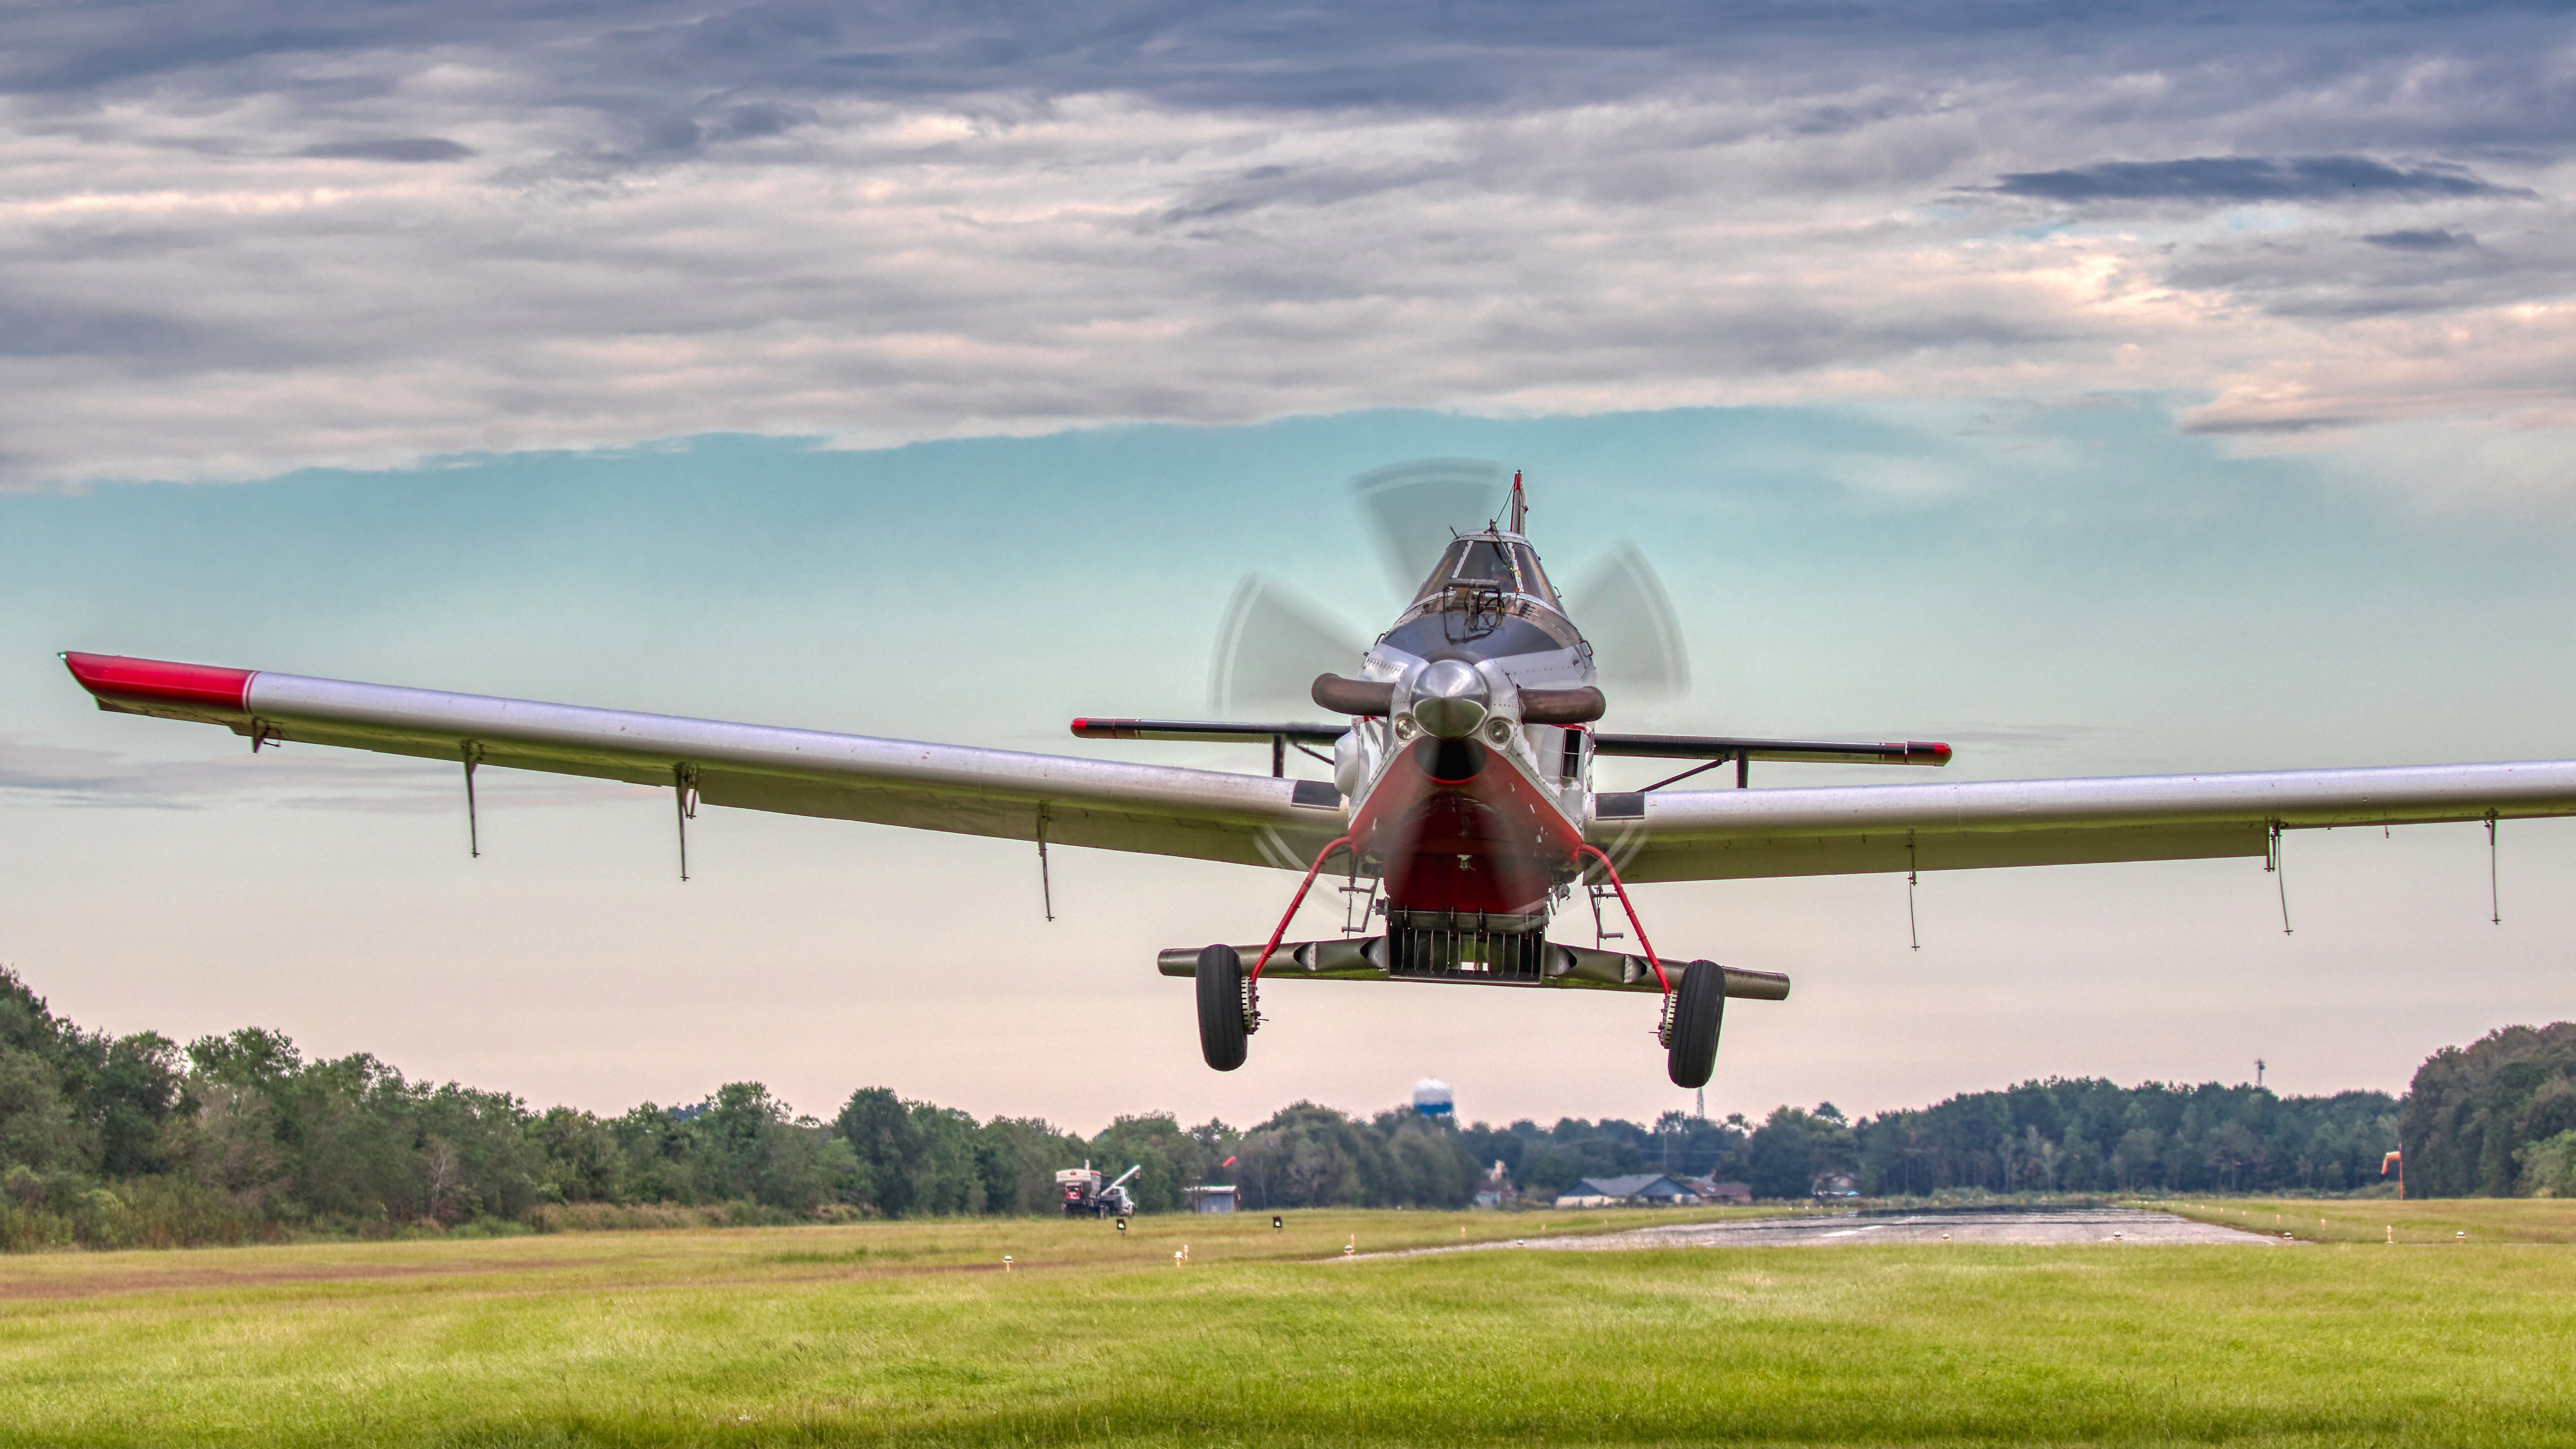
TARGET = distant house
x,y
1646,1189
1834,1184
1726,1192
1214,1198
1495,1190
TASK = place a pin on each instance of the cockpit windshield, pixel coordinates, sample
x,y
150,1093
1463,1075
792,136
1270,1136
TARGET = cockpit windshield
x,y
1511,567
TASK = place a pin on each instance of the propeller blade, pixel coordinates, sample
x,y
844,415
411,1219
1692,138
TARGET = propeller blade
x,y
1412,509
1622,608
1269,649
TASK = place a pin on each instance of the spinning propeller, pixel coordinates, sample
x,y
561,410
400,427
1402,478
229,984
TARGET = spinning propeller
x,y
1274,640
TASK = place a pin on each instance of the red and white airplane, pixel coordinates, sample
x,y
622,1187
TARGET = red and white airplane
x,y
1462,760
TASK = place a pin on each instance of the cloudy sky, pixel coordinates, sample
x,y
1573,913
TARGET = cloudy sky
x,y
2153,390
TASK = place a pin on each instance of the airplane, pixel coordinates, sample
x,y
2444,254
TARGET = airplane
x,y
1463,751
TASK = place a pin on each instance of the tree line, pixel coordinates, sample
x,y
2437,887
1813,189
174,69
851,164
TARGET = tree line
x,y
2496,1118
134,1141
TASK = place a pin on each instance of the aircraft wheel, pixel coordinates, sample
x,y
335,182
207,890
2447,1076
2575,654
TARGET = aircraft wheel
x,y
1221,1033
1699,1006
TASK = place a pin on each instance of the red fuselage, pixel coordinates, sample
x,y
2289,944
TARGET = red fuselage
x,y
1454,826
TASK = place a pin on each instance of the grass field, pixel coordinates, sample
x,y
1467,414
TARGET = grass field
x,y
2383,1220
913,1333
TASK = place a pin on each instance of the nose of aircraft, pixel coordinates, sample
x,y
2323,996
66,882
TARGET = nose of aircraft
x,y
1449,699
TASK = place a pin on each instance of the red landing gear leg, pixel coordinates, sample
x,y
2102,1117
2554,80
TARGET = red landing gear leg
x,y
1689,1025
1229,998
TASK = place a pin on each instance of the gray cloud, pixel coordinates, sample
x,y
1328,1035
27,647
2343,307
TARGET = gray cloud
x,y
1482,56
35,328
2421,239
925,220
2228,179
409,148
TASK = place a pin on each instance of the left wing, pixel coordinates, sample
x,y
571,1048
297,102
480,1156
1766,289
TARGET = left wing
x,y
1845,829
1157,810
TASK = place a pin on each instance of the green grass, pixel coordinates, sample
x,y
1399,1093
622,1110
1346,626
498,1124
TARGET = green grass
x,y
2386,1220
905,1333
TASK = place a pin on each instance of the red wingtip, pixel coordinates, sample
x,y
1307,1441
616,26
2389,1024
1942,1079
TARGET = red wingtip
x,y
113,676
1939,752
1082,727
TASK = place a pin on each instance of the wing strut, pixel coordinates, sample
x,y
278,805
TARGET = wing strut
x,y
1046,883
1913,931
684,794
2281,878
473,831
2495,893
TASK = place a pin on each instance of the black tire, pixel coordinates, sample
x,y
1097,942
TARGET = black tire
x,y
1221,1033
1699,1007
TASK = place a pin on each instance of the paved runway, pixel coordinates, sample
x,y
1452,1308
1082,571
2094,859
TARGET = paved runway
x,y
2048,1227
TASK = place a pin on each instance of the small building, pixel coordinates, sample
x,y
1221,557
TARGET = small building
x,y
1643,1189
1213,1198
1495,1190
1738,1193
1835,1184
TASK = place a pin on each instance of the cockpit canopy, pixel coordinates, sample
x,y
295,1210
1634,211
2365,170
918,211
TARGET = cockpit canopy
x,y
1488,561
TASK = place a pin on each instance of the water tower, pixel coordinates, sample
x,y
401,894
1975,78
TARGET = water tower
x,y
1431,1099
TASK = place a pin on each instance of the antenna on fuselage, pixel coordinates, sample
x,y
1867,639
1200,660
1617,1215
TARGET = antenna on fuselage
x,y
1520,505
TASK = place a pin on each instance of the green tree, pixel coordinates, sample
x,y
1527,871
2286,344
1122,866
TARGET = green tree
x,y
946,1180
1168,1159
1428,1164
1018,1158
1310,1156
879,1130
578,1156
2549,1166
1792,1148
2473,1109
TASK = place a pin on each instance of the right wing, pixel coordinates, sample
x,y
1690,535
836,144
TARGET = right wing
x,y
1848,829
1154,809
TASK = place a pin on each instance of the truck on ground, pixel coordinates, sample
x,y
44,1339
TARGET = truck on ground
x,y
1085,1195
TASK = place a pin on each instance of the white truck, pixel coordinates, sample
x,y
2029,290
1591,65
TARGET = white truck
x,y
1086,1196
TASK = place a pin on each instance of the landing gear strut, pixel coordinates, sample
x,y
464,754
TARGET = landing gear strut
x,y
1690,1033
1226,1015
1222,1007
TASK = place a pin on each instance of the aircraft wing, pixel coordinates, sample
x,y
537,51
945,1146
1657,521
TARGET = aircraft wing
x,y
1157,810
1840,830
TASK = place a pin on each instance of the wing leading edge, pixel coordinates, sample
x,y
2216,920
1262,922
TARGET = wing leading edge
x,y
1838,830
1158,810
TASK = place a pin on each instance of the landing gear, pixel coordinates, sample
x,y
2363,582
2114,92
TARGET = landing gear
x,y
1699,1005
1222,1029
